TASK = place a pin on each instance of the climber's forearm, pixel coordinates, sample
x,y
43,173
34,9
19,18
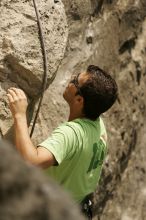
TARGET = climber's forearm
x,y
22,139
18,106
37,156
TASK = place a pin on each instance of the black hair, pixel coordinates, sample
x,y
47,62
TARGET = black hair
x,y
99,92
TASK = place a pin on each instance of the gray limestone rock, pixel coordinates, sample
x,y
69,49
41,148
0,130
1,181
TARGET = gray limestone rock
x,y
20,55
111,34
21,59
114,39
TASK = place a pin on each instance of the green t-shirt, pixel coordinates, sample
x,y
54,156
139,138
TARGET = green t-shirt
x,y
79,147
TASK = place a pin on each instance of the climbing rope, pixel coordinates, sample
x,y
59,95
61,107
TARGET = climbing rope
x,y
45,65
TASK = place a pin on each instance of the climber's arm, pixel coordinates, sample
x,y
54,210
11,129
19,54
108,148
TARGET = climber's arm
x,y
37,156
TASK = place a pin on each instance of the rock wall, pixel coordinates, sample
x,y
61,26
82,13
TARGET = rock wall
x,y
21,59
111,34
26,194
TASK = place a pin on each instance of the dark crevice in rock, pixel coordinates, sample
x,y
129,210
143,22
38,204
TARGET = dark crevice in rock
x,y
1,133
29,17
122,135
99,7
138,72
89,40
75,16
74,12
133,17
127,45
109,182
56,1
109,1
123,161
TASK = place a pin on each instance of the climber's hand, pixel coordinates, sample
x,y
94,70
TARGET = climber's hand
x,y
17,102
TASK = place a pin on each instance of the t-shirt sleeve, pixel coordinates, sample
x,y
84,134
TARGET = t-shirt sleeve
x,y
62,143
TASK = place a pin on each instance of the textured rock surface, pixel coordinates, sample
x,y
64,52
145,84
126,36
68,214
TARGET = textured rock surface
x,y
26,194
21,55
21,62
112,35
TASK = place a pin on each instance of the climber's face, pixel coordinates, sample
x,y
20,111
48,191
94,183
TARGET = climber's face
x,y
72,93
71,89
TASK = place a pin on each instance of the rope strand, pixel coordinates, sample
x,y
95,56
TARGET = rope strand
x,y
45,65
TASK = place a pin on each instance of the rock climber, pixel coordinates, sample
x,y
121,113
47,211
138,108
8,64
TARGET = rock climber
x,y
74,154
